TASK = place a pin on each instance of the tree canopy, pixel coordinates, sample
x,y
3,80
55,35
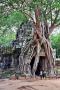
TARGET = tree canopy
x,y
14,12
9,25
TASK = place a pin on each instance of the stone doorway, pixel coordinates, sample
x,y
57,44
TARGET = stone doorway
x,y
41,64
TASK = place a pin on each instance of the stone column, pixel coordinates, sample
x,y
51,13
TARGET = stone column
x,y
12,63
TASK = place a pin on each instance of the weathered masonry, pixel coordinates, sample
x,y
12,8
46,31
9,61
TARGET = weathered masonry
x,y
28,60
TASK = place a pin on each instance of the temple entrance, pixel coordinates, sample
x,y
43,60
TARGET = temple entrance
x,y
41,64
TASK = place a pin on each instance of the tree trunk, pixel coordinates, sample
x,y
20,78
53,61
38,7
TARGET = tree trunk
x,y
36,58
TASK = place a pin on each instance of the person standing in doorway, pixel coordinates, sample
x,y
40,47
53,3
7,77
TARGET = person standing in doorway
x,y
41,74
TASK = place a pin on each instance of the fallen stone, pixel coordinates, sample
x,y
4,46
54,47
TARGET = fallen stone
x,y
13,77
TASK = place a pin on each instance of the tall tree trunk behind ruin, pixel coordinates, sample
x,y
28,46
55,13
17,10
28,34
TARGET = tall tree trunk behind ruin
x,y
36,39
46,43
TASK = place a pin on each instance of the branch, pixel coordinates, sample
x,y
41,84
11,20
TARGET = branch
x,y
49,11
57,13
26,14
53,27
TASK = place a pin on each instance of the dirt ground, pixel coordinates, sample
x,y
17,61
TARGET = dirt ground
x,y
30,84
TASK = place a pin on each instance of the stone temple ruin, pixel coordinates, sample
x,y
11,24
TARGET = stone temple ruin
x,y
24,51
28,50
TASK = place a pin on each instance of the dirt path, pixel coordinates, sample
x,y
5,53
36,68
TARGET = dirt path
x,y
30,84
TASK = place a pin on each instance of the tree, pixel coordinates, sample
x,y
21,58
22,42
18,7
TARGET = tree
x,y
46,19
55,40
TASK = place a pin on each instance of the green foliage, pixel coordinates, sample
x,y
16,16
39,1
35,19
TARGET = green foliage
x,y
5,40
55,39
14,19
